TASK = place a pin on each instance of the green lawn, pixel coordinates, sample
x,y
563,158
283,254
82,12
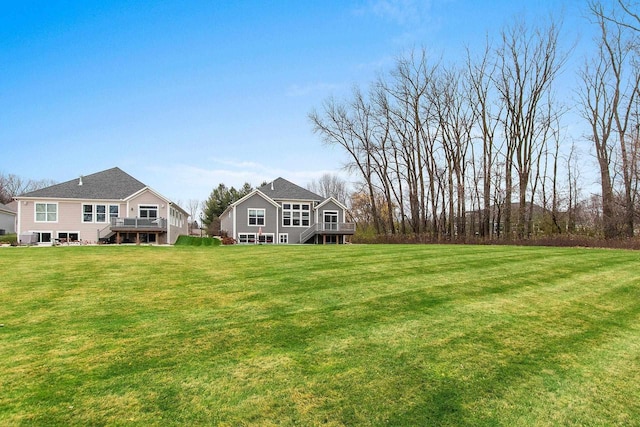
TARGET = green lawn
x,y
310,335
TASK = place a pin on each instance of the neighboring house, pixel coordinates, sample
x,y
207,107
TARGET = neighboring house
x,y
7,218
281,212
108,206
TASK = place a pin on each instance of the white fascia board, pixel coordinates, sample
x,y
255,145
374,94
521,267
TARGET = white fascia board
x,y
253,193
235,226
331,199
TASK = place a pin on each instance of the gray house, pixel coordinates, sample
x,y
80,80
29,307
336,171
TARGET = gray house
x,y
7,219
281,212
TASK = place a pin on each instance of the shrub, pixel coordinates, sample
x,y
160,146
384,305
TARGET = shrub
x,y
226,240
197,241
9,238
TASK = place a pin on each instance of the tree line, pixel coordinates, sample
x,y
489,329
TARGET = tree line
x,y
479,148
12,185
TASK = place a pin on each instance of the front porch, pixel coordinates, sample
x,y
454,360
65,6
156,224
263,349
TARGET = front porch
x,y
134,230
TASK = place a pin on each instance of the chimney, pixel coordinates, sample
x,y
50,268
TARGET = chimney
x,y
80,180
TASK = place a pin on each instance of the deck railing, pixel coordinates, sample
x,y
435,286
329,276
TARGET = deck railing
x,y
138,223
328,228
132,224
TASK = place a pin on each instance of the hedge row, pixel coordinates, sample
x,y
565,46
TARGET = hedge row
x,y
197,241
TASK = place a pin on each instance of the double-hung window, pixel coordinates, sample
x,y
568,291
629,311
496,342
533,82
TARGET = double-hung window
x,y
87,213
256,217
101,213
97,213
46,212
296,214
114,211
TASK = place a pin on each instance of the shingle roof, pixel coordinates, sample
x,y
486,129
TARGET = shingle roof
x,y
7,209
111,184
281,189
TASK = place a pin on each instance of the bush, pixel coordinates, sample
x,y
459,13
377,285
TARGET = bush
x,y
564,240
197,241
226,240
12,239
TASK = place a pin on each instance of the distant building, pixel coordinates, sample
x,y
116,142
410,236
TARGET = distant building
x,y
8,218
281,212
108,206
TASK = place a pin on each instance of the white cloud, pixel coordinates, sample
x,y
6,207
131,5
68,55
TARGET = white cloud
x,y
296,90
185,182
402,12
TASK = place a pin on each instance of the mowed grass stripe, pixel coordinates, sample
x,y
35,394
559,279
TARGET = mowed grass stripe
x,y
368,335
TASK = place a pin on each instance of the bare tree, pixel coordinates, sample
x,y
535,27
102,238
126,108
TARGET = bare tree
x,y
608,100
330,185
193,205
487,116
456,119
529,61
411,80
626,17
349,126
12,185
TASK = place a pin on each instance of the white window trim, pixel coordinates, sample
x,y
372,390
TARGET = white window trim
x,y
256,238
291,210
109,206
286,238
41,232
149,206
248,236
331,212
176,218
264,217
94,213
67,232
35,212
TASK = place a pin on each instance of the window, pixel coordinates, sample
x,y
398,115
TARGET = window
x,y
148,211
246,238
114,211
44,237
284,238
176,218
265,238
330,220
87,213
95,213
65,237
296,214
101,213
252,238
147,237
46,212
256,216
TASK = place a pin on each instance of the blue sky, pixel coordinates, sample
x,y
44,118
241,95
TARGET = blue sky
x,y
184,95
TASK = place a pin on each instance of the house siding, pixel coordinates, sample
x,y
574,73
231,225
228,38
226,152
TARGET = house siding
x,y
7,222
226,223
69,218
108,188
242,216
329,206
147,197
271,197
178,224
